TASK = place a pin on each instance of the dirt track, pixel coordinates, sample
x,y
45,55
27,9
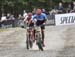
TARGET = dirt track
x,y
59,41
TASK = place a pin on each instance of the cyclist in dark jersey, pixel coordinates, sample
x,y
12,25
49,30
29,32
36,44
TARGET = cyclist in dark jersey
x,y
28,20
41,20
30,24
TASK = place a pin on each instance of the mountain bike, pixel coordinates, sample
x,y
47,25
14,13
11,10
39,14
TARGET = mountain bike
x,y
38,37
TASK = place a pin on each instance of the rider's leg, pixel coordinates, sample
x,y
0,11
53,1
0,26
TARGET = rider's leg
x,y
43,35
42,29
27,33
34,35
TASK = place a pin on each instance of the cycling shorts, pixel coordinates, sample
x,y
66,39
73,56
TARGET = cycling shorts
x,y
40,22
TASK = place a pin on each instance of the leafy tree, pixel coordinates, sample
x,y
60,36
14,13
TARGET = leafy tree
x,y
67,0
17,6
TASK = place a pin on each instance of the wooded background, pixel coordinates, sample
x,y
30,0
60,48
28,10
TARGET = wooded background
x,y
17,6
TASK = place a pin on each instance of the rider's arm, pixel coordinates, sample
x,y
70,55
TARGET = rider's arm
x,y
46,19
34,19
29,21
25,18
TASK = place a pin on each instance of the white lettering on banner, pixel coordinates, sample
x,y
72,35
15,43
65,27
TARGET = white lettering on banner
x,y
65,19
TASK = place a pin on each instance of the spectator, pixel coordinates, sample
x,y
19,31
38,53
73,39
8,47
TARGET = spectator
x,y
24,14
53,12
60,8
34,11
12,17
73,10
3,18
44,11
8,16
74,5
19,17
69,8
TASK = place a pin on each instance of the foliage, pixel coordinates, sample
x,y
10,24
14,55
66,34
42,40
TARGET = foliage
x,y
17,6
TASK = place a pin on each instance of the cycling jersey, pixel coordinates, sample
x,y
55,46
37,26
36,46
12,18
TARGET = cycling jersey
x,y
28,19
40,17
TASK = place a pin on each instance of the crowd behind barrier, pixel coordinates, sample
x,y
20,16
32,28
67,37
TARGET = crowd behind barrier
x,y
18,22
8,23
60,9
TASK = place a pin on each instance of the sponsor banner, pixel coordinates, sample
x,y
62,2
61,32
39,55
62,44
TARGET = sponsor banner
x,y
65,19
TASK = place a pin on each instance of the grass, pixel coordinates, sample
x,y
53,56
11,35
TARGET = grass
x,y
1,30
